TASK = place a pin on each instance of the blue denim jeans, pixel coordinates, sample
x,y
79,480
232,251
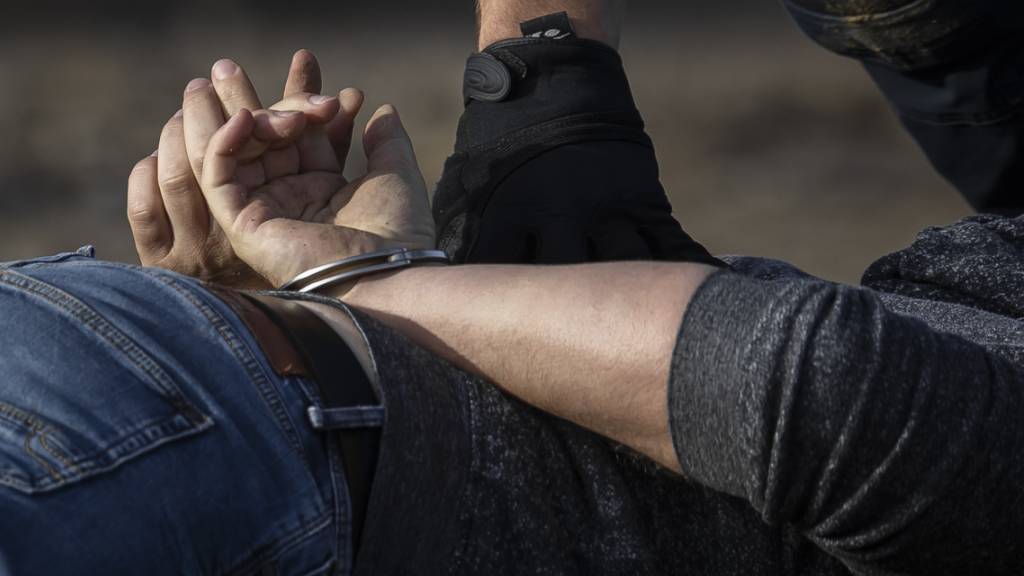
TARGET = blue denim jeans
x,y
142,431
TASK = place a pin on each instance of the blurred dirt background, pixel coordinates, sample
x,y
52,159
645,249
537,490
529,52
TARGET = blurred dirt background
x,y
768,145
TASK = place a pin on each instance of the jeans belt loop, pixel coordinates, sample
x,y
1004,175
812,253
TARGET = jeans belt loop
x,y
346,418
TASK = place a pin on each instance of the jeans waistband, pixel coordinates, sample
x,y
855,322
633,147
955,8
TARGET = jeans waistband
x,y
297,342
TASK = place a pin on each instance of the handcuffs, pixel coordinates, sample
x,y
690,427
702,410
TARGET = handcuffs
x,y
355,267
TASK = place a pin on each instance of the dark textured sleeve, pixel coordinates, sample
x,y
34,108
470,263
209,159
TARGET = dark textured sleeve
x,y
896,448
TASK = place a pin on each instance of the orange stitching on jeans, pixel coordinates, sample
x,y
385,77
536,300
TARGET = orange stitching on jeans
x,y
36,429
55,451
26,419
28,448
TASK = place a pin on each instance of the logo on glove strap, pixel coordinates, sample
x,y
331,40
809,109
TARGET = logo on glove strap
x,y
553,27
552,33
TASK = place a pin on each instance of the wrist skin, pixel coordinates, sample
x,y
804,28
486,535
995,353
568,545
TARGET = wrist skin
x,y
599,20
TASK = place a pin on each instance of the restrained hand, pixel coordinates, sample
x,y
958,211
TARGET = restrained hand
x,y
287,170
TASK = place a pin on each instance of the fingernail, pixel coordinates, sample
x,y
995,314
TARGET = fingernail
x,y
320,99
197,84
285,113
155,153
179,114
224,69
350,98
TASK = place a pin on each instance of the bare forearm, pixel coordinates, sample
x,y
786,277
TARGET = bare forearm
x,y
595,19
589,343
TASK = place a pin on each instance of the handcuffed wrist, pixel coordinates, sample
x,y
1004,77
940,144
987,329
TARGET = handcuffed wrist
x,y
349,270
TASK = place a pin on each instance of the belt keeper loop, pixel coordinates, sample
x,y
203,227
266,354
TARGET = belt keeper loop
x,y
346,418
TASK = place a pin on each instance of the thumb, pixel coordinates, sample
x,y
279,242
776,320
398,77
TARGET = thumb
x,y
386,143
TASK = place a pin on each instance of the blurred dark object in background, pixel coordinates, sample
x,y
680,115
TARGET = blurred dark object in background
x,y
768,144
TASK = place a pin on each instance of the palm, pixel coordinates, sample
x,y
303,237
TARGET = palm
x,y
279,201
288,221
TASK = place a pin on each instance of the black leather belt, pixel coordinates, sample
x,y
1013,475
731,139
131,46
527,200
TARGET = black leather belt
x,y
297,342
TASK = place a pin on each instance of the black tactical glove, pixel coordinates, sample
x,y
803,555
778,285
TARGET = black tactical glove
x,y
551,162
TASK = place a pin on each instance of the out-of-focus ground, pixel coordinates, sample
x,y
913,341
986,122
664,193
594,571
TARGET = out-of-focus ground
x,y
768,145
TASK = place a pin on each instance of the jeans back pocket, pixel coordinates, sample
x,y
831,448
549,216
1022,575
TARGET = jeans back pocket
x,y
77,396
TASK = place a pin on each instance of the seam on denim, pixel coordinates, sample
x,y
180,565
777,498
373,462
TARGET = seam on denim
x,y
185,419
59,258
31,424
239,348
341,508
245,356
27,445
39,429
150,435
57,454
101,327
260,379
278,548
34,426
107,458
19,417
342,499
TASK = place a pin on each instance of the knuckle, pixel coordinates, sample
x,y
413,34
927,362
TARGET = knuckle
x,y
178,183
142,215
170,260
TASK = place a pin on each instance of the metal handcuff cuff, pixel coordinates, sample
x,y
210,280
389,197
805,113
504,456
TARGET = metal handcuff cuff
x,y
349,269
